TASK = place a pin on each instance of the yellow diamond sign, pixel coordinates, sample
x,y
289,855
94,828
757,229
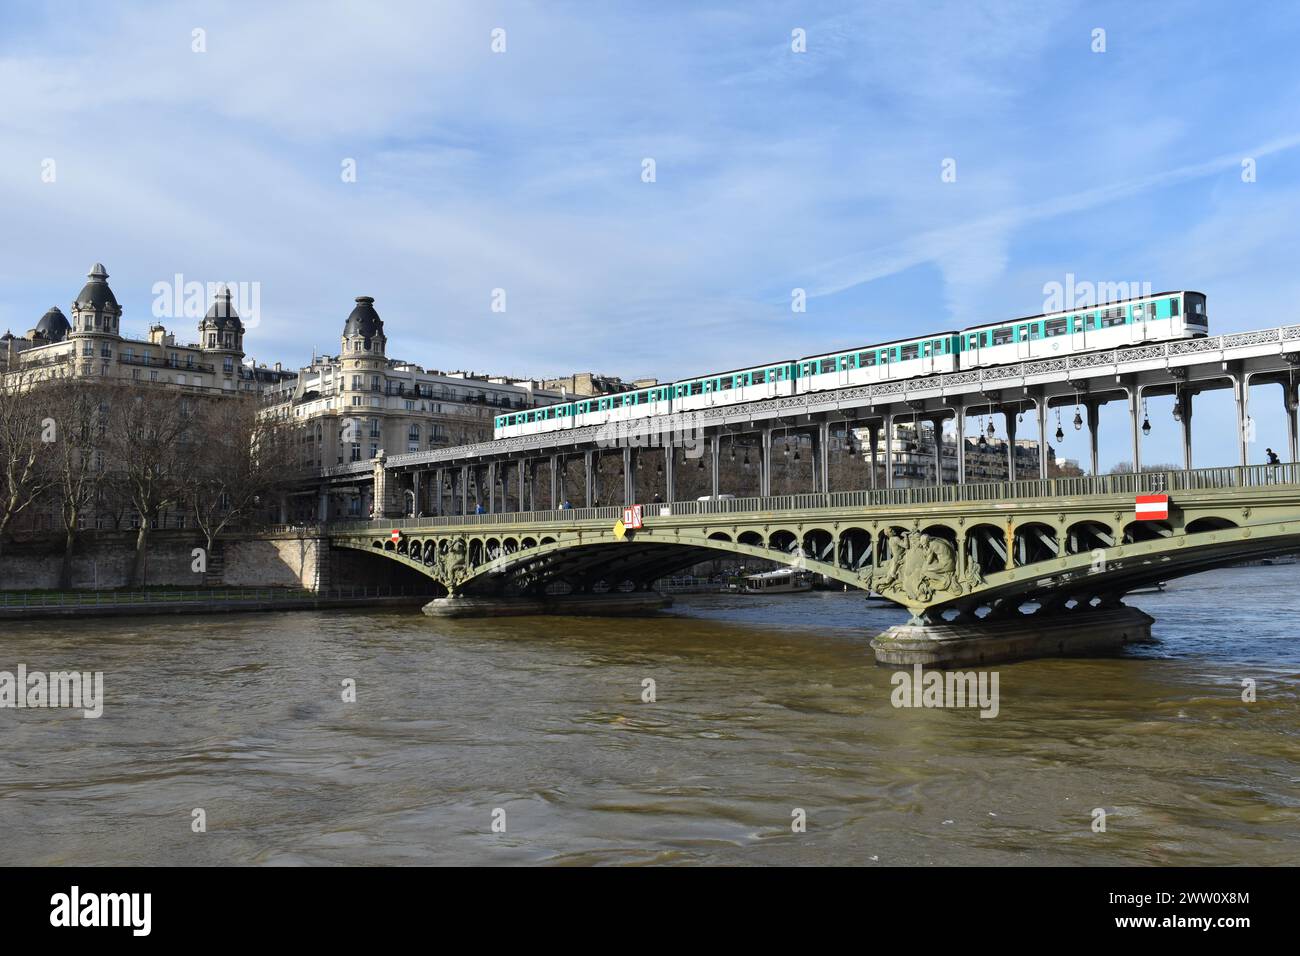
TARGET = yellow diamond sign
x,y
620,530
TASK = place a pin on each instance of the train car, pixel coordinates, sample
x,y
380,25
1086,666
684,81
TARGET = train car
x,y
905,358
773,380
1169,315
621,407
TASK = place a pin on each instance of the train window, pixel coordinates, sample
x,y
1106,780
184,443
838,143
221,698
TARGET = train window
x,y
1112,317
1001,336
827,365
910,351
1200,308
725,382
1173,307
866,359
1055,327
696,388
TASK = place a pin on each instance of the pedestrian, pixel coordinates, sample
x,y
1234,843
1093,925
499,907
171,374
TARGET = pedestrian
x,y
1272,457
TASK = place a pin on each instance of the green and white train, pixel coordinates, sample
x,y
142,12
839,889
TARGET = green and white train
x,y
1169,315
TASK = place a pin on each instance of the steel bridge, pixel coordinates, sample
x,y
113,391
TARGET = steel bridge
x,y
956,554
493,474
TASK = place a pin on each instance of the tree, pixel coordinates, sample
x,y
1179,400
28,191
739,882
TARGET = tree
x,y
80,411
150,448
239,460
27,433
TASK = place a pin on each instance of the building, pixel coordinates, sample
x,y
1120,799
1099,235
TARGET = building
x,y
591,383
92,345
356,404
986,457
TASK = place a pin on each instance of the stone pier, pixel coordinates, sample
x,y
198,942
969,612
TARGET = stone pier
x,y
1065,634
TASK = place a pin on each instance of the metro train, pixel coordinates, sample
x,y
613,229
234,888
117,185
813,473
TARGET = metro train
x,y
1169,315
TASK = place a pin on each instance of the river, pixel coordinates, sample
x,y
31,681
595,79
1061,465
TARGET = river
x,y
764,706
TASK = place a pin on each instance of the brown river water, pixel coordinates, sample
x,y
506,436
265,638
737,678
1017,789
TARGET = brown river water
x,y
764,706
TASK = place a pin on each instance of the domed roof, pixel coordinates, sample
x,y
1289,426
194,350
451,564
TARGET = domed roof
x,y
54,325
96,293
364,320
7,337
222,312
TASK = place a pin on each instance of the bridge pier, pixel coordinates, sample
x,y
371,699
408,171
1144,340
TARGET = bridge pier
x,y
1074,633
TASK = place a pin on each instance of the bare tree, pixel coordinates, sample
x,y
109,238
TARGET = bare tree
x,y
149,444
239,461
79,410
27,433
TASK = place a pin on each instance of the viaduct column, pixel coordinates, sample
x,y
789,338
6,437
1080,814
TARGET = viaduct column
x,y
1183,402
1094,420
492,487
1291,394
873,438
936,426
1011,443
822,456
586,483
464,489
629,476
765,461
715,453
959,422
889,450
1041,408
1135,406
523,483
1241,392
670,472
555,482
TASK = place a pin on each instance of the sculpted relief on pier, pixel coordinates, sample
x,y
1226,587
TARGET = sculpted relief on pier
x,y
451,566
920,569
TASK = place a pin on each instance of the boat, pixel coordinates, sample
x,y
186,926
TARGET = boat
x,y
783,581
1157,588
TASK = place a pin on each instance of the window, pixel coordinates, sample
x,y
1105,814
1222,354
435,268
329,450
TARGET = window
x,y
910,351
1112,317
826,365
1055,327
105,351
1001,336
228,365
1173,307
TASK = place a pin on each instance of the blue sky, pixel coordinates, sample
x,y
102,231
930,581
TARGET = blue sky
x,y
775,170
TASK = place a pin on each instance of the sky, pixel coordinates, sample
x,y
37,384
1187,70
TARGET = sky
x,y
500,156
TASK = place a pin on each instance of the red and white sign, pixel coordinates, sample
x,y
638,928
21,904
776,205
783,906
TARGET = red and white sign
x,y
1152,507
397,536
632,517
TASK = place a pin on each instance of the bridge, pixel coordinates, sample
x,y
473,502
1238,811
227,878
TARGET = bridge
x,y
988,571
533,472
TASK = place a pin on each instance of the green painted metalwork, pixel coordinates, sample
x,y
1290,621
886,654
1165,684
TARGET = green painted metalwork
x,y
943,552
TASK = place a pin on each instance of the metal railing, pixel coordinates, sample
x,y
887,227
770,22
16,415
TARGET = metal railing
x,y
1147,482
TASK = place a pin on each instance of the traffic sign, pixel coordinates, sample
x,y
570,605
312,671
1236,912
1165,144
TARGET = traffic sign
x,y
1152,508
632,517
397,536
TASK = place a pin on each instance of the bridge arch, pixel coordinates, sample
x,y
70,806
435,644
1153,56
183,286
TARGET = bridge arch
x,y
1035,541
1138,531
